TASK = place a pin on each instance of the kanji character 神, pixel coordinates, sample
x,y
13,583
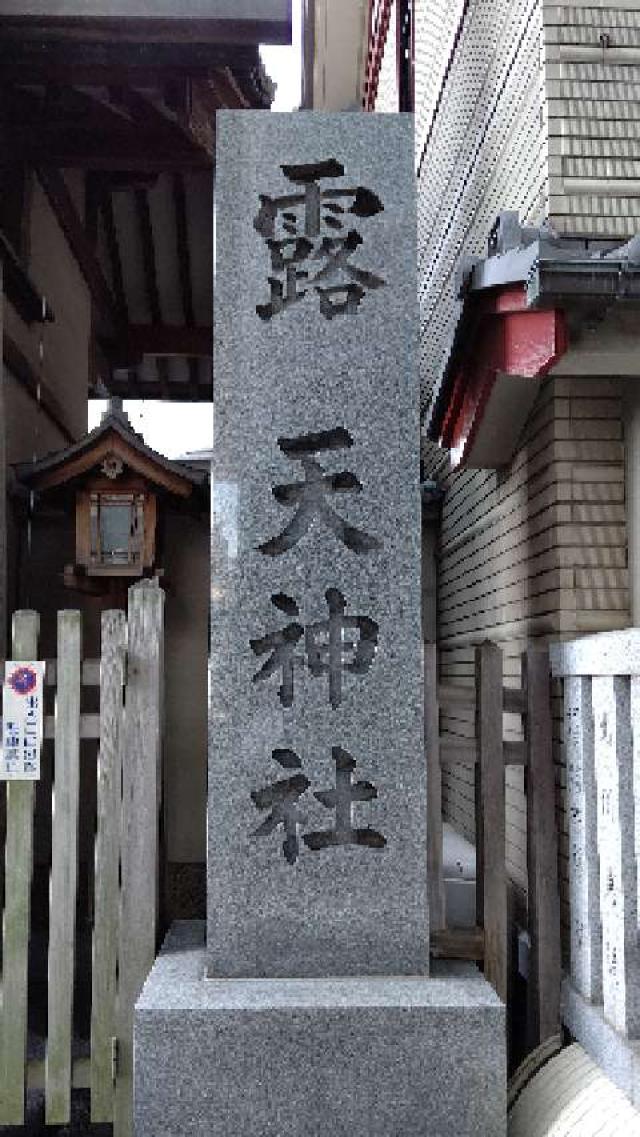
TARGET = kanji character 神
x,y
307,226
310,496
332,646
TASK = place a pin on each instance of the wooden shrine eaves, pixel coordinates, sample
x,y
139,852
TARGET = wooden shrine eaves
x,y
114,435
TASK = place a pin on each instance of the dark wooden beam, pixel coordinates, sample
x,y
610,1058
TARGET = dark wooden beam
x,y
14,211
179,392
80,149
214,34
20,290
88,62
166,340
63,207
192,129
91,221
19,366
184,268
183,249
113,247
151,277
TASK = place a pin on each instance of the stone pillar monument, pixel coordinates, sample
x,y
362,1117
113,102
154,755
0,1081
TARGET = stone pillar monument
x,y
310,1010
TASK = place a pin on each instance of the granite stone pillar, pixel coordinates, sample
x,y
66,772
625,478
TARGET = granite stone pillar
x,y
311,1010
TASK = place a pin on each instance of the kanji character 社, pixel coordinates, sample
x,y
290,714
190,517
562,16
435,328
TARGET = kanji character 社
x,y
341,799
282,798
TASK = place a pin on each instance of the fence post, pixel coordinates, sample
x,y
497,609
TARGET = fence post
x,y
434,789
15,931
582,812
543,991
64,870
141,781
490,815
107,861
614,759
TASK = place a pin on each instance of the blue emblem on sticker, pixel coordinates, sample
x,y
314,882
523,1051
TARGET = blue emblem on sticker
x,y
23,680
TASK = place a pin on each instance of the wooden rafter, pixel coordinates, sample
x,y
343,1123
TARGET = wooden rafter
x,y
182,128
111,129
184,269
178,391
159,340
113,247
75,234
151,277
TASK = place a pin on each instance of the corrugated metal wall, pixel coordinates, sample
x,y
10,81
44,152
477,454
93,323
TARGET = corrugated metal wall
x,y
387,97
486,152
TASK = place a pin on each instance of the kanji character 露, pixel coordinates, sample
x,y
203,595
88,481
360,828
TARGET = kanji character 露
x,y
309,226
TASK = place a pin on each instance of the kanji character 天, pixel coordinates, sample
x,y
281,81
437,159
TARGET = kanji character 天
x,y
310,497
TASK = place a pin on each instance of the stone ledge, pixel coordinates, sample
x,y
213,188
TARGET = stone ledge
x,y
381,1057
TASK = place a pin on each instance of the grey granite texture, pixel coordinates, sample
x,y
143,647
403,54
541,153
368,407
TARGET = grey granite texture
x,y
340,908
383,1057
618,1056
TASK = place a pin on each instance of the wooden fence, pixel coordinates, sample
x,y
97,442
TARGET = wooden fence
x,y
490,754
125,890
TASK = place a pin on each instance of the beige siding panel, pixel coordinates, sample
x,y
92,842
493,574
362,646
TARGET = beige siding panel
x,y
593,117
535,551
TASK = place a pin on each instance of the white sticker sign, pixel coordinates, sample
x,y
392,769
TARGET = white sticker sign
x,y
22,721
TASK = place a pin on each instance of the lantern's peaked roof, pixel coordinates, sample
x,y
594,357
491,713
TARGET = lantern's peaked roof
x,y
114,435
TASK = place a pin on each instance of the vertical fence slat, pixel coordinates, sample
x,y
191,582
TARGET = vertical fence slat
x,y
64,870
543,988
141,792
15,930
3,563
490,814
616,846
584,868
107,858
434,790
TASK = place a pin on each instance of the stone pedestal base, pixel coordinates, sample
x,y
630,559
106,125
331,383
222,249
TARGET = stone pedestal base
x,y
375,1057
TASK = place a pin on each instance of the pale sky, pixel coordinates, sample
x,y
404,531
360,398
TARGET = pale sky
x,y
176,428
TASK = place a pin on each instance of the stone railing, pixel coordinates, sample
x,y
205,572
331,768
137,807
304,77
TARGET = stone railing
x,y
602,739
